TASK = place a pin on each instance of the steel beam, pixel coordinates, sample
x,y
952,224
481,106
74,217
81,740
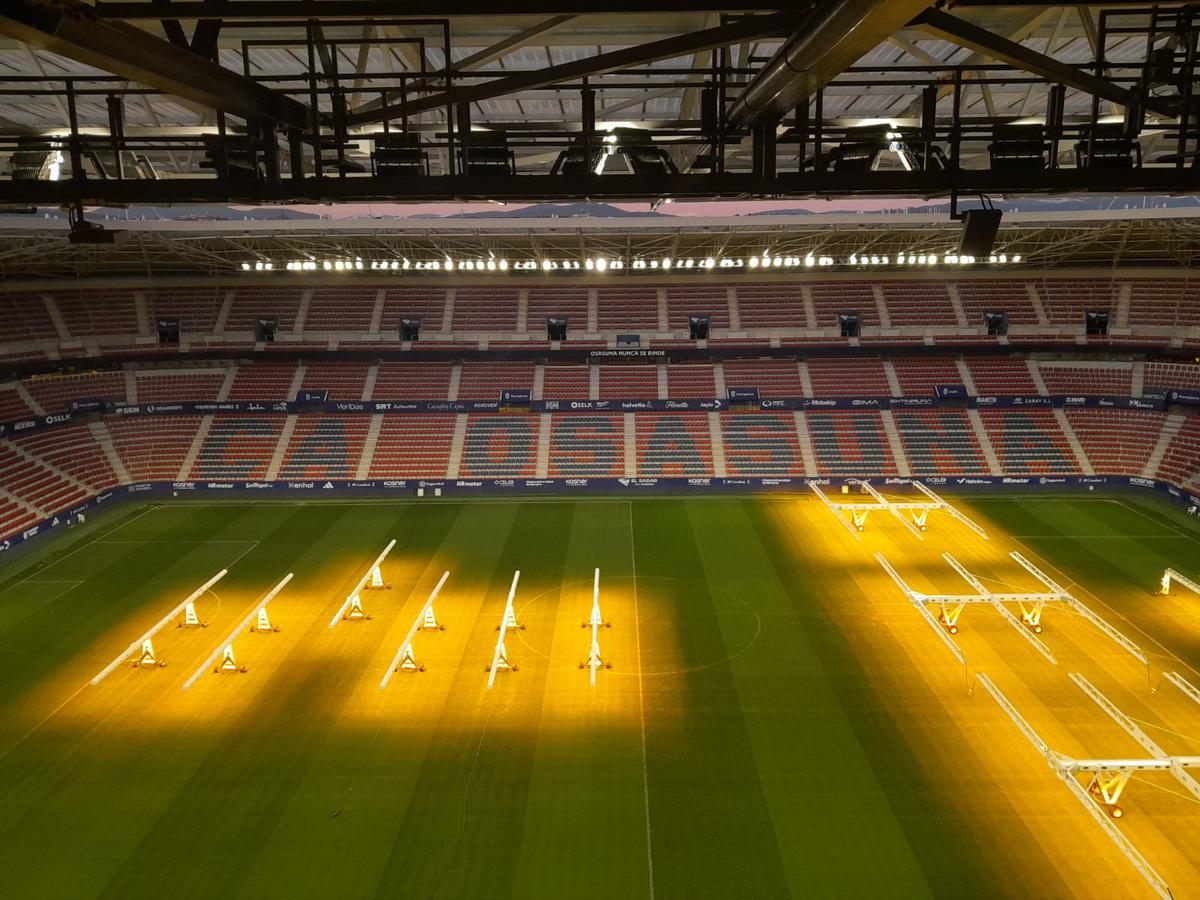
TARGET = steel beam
x,y
550,188
480,58
829,40
971,36
748,28
72,29
343,9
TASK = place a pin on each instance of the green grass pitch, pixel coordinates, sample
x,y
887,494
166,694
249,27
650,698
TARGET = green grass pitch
x,y
737,747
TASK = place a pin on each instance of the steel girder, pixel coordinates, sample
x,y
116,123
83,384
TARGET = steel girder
x,y
73,30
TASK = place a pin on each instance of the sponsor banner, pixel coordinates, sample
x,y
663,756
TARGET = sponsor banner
x,y
627,405
629,354
189,408
951,391
516,396
599,485
910,402
88,405
743,394
312,396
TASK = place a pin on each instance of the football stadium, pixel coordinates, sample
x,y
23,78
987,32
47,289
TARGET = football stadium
x,y
599,450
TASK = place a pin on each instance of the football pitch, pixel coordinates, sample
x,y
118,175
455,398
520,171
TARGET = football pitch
x,y
773,718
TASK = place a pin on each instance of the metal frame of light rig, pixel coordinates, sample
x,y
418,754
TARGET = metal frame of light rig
x,y
919,509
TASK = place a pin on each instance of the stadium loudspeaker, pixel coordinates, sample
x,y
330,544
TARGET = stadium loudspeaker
x,y
168,331
264,329
1095,323
979,231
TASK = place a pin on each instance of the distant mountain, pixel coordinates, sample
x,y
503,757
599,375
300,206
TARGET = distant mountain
x,y
1081,203
185,214
557,211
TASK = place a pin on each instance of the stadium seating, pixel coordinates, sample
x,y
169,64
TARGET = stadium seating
x,y
849,443
36,484
1181,461
772,377
413,446
1113,381
154,448
996,295
340,309
761,444
557,303
1117,441
939,442
425,304
834,297
588,445
628,382
343,380
23,317
164,386
999,375
485,380
673,445
485,309
251,304
195,308
770,305
920,376
263,381
633,309
848,377
55,392
919,303
106,321
710,300
1028,442
691,382
565,382
1066,300
238,447
73,451
12,404
323,446
500,447
97,312
412,381
1172,375
1164,303
46,471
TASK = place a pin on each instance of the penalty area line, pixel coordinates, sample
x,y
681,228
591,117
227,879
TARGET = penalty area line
x,y
637,632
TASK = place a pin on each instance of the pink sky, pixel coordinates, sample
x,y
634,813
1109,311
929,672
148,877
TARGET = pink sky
x,y
683,209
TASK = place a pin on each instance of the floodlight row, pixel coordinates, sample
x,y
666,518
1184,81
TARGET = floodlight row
x,y
766,261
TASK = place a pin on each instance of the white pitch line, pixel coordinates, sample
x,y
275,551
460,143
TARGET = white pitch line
x,y
84,546
637,632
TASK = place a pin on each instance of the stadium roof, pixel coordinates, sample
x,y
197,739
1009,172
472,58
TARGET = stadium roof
x,y
40,248
534,71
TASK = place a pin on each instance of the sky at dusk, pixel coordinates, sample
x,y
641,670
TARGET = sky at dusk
x,y
683,209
